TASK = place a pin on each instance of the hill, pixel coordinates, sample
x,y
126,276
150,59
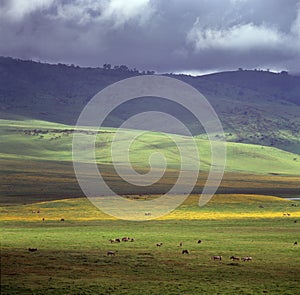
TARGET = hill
x,y
37,163
257,107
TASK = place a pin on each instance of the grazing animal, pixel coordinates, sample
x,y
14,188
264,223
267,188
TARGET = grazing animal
x,y
295,221
180,244
32,249
117,240
199,241
125,239
159,244
217,257
185,252
235,258
247,258
62,219
296,243
43,219
132,240
148,214
112,240
111,253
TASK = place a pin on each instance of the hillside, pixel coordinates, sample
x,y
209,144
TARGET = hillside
x,y
256,107
37,163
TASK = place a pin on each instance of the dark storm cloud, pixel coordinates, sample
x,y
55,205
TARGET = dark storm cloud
x,y
175,35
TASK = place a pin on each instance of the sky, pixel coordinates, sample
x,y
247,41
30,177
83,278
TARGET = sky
x,y
179,36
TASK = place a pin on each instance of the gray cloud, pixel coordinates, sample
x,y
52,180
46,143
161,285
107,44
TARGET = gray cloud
x,y
191,35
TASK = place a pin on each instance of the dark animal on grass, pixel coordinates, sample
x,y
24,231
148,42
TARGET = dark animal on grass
x,y
235,258
111,253
199,241
185,252
148,214
132,240
43,219
159,244
112,240
62,219
180,244
217,257
32,249
117,240
125,239
247,258
296,243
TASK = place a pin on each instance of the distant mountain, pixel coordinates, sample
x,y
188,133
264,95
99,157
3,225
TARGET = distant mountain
x,y
257,107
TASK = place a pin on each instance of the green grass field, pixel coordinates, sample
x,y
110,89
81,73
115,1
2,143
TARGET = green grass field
x,y
37,176
72,259
36,161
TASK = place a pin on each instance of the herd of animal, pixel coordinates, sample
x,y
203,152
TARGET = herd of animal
x,y
184,251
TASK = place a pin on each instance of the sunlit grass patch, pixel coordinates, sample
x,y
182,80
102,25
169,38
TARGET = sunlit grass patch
x,y
221,206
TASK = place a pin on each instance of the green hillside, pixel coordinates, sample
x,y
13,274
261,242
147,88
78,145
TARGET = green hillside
x,y
257,107
36,163
49,141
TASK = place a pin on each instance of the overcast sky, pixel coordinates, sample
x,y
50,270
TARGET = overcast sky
x,y
165,36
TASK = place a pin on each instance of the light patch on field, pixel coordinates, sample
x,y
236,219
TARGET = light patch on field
x,y
229,206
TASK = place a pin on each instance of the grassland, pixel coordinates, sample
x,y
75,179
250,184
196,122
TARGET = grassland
x,y
242,219
36,161
71,256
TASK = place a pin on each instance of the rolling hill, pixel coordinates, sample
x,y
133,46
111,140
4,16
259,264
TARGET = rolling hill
x,y
257,107
37,163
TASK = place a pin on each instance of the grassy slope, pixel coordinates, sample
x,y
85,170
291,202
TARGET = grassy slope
x,y
254,106
56,145
71,257
40,167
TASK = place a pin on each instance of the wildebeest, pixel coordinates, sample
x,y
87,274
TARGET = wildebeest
x,y
132,240
296,243
199,241
217,257
180,244
148,214
115,240
159,244
185,252
235,258
43,219
111,253
32,249
247,258
125,239
62,219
